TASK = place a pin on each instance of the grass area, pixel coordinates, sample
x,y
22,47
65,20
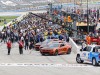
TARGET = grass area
x,y
8,19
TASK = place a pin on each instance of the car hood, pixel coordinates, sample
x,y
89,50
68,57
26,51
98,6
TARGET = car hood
x,y
47,48
41,43
38,43
44,44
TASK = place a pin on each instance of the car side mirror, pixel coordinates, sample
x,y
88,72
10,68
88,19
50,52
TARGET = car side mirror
x,y
81,50
62,45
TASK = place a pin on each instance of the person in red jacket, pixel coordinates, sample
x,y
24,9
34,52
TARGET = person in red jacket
x,y
21,45
9,44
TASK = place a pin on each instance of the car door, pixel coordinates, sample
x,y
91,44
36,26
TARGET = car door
x,y
94,53
85,53
61,48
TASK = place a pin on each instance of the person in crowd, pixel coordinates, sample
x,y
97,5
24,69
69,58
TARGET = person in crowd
x,y
61,37
83,44
4,37
26,43
38,38
88,39
9,45
31,46
21,45
12,37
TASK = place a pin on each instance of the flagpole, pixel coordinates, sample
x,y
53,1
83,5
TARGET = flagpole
x,y
87,18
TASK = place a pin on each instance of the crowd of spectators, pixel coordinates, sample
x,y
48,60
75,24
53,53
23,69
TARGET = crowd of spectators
x,y
31,30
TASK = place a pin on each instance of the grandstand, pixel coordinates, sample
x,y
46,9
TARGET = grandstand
x,y
26,5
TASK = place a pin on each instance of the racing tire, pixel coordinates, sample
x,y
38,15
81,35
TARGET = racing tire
x,y
69,51
36,49
42,54
78,59
56,53
94,62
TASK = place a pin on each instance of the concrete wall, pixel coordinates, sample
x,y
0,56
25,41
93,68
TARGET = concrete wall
x,y
75,47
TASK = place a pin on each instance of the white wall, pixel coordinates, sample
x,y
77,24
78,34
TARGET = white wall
x,y
75,47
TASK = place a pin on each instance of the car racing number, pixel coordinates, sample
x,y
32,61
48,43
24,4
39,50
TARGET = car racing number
x,y
64,49
84,54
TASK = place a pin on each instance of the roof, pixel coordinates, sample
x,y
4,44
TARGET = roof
x,y
28,5
81,24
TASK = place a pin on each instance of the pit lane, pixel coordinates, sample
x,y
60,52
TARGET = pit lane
x,y
46,65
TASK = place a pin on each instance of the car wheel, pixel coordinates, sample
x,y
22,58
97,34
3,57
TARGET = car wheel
x,y
56,53
78,59
42,54
69,51
94,63
37,49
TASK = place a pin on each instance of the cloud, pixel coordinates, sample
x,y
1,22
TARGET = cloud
x,y
8,3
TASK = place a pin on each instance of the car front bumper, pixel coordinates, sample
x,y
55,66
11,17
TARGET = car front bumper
x,y
37,47
47,52
99,62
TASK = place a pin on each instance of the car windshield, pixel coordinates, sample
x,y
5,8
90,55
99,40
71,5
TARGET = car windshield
x,y
54,45
98,49
47,41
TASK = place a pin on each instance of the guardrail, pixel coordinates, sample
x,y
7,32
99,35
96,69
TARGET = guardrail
x,y
75,47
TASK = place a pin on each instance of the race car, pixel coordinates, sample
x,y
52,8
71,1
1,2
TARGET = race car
x,y
56,48
52,41
37,45
46,42
90,53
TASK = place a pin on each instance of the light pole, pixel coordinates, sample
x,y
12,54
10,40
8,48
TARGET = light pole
x,y
74,5
87,18
50,9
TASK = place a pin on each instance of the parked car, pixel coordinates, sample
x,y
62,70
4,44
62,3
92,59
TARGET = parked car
x,y
56,48
95,40
37,45
90,53
46,42
52,42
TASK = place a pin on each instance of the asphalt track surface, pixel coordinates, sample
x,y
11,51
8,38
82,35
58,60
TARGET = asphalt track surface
x,y
41,65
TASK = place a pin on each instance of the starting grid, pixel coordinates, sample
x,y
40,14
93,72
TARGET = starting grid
x,y
42,65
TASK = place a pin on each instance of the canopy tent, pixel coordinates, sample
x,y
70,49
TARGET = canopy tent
x,y
81,24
